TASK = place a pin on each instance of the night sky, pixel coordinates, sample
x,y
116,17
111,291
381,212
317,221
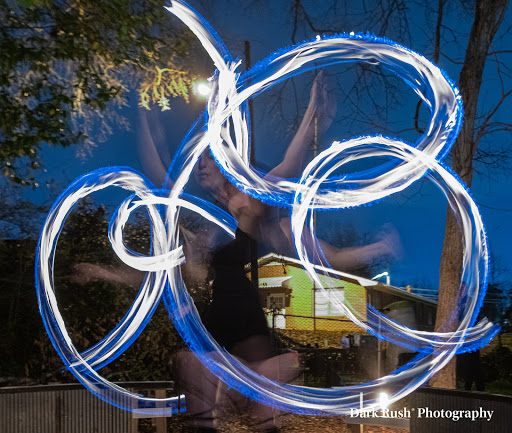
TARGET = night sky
x,y
418,213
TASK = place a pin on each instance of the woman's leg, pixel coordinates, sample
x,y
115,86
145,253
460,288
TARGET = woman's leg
x,y
207,398
200,388
256,352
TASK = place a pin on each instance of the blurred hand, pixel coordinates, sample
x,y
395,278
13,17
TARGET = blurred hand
x,y
389,239
87,272
322,105
84,273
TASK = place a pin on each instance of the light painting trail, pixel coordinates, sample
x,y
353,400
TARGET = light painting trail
x,y
227,136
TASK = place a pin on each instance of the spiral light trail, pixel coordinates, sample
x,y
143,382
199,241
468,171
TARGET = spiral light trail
x,y
227,136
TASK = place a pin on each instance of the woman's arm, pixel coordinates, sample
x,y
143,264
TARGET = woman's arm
x,y
260,220
317,119
344,259
149,155
84,273
196,247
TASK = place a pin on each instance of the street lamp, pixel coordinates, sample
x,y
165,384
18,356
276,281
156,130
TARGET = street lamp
x,y
383,274
201,88
383,400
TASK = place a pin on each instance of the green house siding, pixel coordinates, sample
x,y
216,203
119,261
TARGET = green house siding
x,y
301,302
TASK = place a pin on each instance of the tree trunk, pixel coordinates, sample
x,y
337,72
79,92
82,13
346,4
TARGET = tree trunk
x,y
488,17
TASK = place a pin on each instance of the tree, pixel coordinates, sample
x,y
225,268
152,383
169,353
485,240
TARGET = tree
x,y
90,308
489,15
67,67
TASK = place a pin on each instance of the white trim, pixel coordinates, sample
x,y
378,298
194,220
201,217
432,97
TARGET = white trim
x,y
269,282
363,281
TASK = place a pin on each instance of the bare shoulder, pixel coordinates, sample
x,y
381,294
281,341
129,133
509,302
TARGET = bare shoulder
x,y
242,204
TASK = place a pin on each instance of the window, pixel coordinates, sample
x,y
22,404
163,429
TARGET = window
x,y
275,307
325,302
276,301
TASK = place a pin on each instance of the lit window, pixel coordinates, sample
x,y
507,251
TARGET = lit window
x,y
326,300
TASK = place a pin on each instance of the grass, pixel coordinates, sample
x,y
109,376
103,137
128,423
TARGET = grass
x,y
503,387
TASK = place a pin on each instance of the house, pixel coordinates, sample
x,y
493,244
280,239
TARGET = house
x,y
294,303
305,315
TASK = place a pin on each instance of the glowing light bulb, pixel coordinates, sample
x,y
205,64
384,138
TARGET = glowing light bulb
x,y
383,400
201,89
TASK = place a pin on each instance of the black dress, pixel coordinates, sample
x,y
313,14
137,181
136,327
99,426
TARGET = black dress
x,y
235,313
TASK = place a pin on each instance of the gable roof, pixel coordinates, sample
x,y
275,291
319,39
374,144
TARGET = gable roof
x,y
269,282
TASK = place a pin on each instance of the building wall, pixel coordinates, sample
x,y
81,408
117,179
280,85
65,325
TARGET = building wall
x,y
355,298
302,301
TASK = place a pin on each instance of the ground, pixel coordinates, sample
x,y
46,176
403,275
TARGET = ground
x,y
290,424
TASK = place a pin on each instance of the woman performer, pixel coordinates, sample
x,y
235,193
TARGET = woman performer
x,y
235,318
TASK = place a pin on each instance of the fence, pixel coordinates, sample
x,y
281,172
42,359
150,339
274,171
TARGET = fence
x,y
452,400
70,408
310,330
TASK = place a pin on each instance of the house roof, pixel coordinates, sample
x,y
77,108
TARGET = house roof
x,y
272,281
365,282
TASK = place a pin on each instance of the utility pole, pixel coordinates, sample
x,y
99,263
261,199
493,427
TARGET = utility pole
x,y
254,243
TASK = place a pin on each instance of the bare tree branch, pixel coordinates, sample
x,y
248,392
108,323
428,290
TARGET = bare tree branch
x,y
482,130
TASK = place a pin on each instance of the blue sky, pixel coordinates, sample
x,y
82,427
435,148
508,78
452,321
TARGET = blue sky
x,y
418,213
